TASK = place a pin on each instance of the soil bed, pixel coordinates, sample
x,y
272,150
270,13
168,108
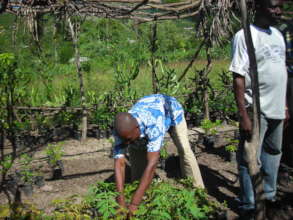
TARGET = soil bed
x,y
89,162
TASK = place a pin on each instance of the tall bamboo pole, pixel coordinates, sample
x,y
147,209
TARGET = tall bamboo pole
x,y
251,147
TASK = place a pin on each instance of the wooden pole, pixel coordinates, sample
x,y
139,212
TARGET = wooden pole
x,y
81,84
207,70
251,146
154,48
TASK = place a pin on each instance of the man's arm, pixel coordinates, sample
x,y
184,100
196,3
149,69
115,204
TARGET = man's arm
x,y
153,158
239,91
119,165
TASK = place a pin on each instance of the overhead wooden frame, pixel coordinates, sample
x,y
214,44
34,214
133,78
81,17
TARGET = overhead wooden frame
x,y
140,10
215,15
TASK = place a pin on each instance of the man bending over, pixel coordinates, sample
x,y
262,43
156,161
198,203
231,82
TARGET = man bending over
x,y
142,130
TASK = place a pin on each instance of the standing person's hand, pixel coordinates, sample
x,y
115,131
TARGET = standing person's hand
x,y
246,127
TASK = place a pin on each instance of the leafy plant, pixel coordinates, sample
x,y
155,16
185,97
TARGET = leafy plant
x,y
27,176
26,172
26,160
69,209
209,127
102,198
232,146
118,100
8,65
66,118
22,211
164,153
222,102
159,201
6,164
168,82
102,116
54,153
12,85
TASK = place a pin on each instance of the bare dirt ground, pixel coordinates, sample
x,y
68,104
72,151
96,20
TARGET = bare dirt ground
x,y
89,162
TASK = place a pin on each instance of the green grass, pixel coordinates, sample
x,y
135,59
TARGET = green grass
x,y
144,81
100,82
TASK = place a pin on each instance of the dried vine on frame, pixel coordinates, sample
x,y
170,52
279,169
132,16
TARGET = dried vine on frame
x,y
216,14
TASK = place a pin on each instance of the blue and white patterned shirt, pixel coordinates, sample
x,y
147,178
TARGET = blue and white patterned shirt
x,y
154,114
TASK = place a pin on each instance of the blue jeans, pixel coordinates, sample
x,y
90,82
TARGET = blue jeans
x,y
269,155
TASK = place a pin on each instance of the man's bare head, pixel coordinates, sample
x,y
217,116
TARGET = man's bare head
x,y
126,127
269,10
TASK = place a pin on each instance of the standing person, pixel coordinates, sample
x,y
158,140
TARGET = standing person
x,y
269,48
287,31
143,129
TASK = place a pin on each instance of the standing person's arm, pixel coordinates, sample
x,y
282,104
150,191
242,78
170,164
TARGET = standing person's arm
x,y
239,91
240,68
119,165
153,158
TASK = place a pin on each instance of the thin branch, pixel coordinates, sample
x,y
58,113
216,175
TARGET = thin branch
x,y
192,60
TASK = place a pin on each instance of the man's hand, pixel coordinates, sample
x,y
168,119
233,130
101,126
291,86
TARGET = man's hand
x,y
121,201
246,127
146,179
132,208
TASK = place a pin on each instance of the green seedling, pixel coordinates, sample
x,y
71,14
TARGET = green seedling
x,y
233,145
209,127
163,153
26,171
231,148
54,153
6,164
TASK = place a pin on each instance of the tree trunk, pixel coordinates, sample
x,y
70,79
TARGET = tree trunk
x,y
2,141
206,104
251,147
80,76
